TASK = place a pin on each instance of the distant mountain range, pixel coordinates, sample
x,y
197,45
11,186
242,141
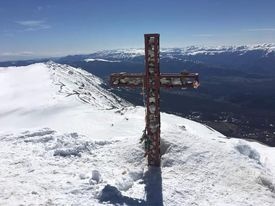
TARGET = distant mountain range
x,y
252,59
187,53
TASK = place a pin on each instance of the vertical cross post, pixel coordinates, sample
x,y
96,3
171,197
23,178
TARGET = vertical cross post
x,y
152,87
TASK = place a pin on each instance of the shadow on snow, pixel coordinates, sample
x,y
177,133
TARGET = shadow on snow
x,y
153,190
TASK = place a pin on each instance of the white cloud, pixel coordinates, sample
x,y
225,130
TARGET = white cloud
x,y
7,33
39,8
204,35
33,25
22,53
260,29
30,23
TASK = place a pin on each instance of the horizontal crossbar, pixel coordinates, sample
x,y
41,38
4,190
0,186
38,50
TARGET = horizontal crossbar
x,y
167,80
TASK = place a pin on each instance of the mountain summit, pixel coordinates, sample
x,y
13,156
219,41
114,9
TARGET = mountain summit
x,y
66,140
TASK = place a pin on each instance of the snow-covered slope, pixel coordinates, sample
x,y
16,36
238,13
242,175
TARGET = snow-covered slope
x,y
52,95
66,141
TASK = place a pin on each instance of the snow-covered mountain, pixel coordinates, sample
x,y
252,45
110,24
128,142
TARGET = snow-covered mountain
x,y
65,140
252,59
248,58
262,50
124,54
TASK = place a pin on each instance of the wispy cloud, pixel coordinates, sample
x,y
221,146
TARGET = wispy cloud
x,y
7,33
203,35
17,54
39,8
33,25
260,29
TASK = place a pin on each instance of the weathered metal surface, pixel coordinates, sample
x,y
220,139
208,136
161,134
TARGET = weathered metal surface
x,y
152,86
190,80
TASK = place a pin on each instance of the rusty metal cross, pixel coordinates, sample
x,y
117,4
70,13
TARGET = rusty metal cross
x,y
151,81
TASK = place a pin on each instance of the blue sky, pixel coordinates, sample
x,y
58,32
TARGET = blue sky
x,y
38,28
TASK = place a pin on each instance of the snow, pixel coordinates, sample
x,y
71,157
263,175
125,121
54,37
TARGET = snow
x,y
174,53
203,50
67,141
62,95
100,60
116,55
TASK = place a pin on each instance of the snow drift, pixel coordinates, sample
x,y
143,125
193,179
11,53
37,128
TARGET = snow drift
x,y
67,141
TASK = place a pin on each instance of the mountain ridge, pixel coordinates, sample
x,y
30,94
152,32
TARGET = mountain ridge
x,y
126,54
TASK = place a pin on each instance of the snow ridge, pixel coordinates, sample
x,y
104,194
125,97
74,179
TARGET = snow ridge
x,y
85,86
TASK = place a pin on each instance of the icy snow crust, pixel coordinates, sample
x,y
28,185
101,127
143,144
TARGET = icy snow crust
x,y
66,141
